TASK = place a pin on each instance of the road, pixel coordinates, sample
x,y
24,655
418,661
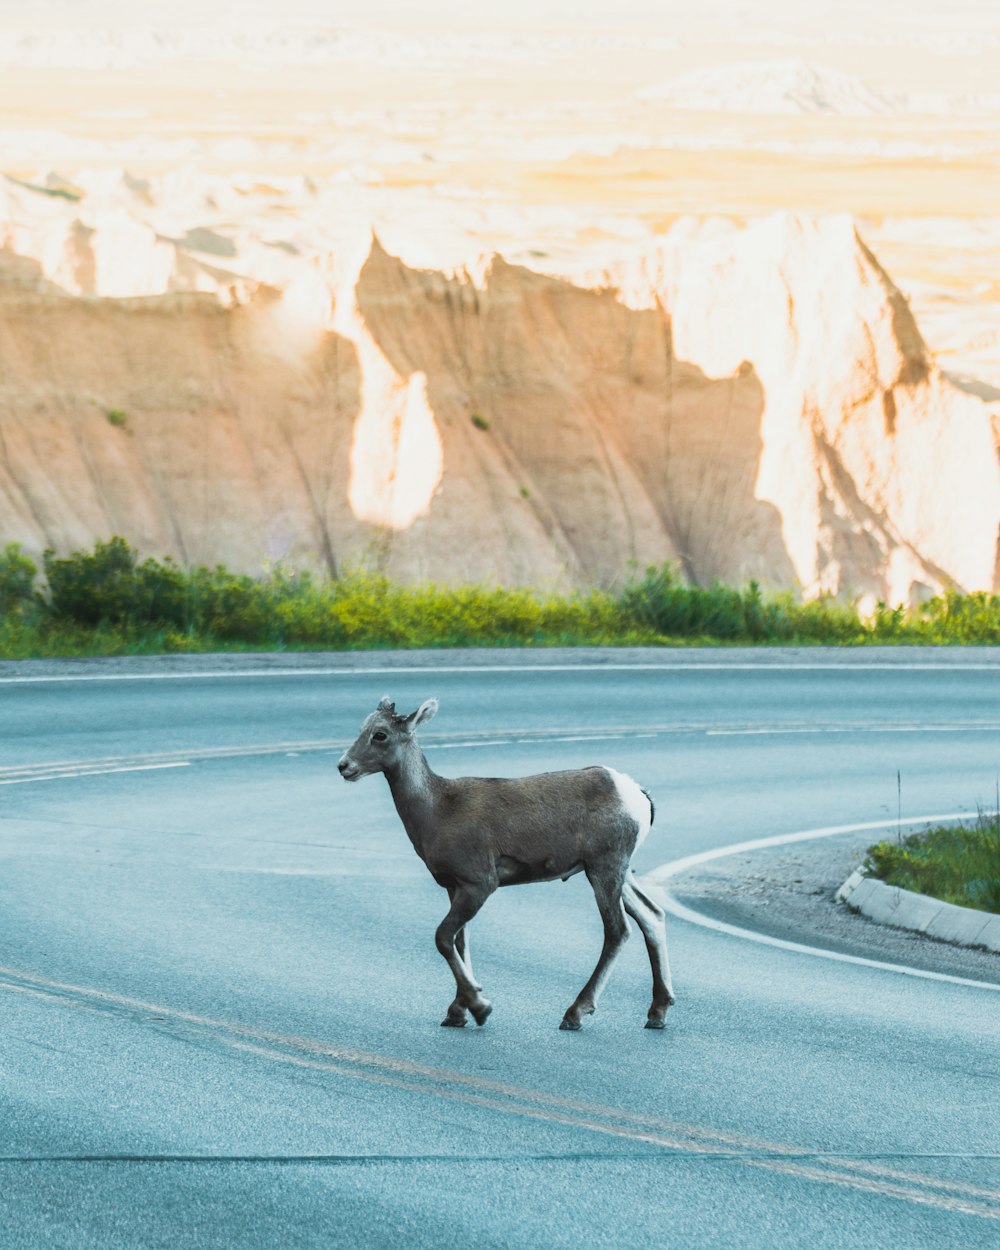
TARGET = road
x,y
221,996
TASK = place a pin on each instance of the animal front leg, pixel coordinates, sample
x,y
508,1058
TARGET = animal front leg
x,y
608,892
457,1017
453,944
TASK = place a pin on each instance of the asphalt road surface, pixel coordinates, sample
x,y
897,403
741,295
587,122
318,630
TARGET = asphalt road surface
x,y
221,998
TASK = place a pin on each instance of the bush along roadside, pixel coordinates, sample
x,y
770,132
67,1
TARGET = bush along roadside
x,y
958,863
109,601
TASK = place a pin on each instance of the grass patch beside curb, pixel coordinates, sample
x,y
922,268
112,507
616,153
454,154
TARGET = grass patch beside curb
x,y
958,863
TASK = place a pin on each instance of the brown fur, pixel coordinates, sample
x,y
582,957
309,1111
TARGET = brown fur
x,y
476,834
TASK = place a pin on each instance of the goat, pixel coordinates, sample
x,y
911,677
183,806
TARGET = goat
x,y
478,833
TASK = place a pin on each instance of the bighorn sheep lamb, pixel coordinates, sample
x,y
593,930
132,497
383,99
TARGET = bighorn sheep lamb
x,y
478,833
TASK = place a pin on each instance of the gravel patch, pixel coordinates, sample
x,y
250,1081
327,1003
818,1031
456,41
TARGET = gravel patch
x,y
789,893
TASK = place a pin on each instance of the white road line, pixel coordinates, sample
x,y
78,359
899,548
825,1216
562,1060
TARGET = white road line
x,y
92,772
537,741
456,746
512,737
678,909
412,671
677,866
184,756
14,774
20,774
886,727
481,1091
610,736
686,913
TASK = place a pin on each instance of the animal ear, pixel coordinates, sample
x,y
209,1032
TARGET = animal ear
x,y
424,713
386,705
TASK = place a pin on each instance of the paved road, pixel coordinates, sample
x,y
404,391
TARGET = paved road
x,y
221,997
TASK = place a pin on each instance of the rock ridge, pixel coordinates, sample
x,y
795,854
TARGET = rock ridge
x,y
749,402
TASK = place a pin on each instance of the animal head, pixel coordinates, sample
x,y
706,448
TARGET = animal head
x,y
383,739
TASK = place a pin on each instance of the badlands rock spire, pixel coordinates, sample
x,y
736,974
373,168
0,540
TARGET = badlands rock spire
x,y
747,401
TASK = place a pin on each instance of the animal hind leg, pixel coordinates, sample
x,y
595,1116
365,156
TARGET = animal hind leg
x,y
650,918
660,917
607,886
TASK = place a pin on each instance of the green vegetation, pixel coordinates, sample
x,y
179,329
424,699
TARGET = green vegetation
x,y
17,580
108,601
670,609
958,864
479,421
116,417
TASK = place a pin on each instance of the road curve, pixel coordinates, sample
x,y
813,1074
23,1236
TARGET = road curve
x,y
221,995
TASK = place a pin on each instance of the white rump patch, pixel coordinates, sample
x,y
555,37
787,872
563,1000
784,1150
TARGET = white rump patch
x,y
634,802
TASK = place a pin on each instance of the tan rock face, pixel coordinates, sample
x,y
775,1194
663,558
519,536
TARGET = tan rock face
x,y
750,403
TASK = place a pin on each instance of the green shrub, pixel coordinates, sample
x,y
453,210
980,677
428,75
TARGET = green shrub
x,y
661,602
108,586
17,579
231,606
972,618
108,601
93,588
163,595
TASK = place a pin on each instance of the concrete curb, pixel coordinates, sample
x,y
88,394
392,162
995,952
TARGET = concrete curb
x,y
888,904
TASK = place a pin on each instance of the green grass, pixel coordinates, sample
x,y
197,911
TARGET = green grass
x,y
107,602
958,863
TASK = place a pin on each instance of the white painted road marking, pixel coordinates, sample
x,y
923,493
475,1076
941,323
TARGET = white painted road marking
x,y
54,770
865,1175
53,775
678,909
972,727
697,666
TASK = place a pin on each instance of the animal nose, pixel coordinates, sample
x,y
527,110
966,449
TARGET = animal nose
x,y
342,765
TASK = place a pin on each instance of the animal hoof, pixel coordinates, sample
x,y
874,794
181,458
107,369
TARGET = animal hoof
x,y
453,1022
482,1011
570,1026
656,1024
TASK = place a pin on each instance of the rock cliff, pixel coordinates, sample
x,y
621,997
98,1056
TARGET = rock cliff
x,y
751,402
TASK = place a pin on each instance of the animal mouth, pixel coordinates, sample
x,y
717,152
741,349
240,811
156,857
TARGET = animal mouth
x,y
349,772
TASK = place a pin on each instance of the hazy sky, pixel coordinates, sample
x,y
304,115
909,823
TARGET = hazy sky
x,y
658,14
909,45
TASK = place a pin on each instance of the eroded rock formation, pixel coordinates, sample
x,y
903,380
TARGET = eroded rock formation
x,y
751,403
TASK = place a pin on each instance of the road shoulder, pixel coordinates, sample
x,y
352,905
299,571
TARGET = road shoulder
x,y
231,663
789,892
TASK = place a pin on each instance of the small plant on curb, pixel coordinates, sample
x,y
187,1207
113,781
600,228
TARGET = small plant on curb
x,y
955,863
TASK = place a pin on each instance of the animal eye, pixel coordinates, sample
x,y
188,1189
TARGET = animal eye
x,y
379,736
